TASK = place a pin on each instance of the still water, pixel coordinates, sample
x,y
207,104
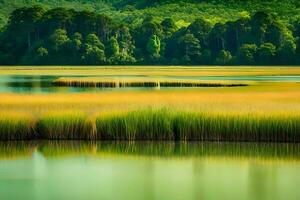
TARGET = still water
x,y
148,170
43,84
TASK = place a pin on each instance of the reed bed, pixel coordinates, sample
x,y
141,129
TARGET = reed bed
x,y
145,82
186,126
16,126
155,124
61,125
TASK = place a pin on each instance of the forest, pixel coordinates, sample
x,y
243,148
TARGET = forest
x,y
37,35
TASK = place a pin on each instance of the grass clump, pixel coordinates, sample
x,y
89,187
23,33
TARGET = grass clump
x,y
69,125
142,82
135,125
185,126
16,126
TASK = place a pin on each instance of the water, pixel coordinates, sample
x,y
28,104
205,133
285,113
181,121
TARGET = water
x,y
145,170
43,84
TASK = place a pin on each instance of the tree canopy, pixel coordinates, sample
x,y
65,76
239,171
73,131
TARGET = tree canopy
x,y
35,35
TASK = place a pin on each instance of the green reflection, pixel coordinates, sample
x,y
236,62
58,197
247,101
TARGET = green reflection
x,y
72,170
261,151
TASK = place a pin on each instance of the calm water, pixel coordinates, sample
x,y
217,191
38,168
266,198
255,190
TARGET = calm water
x,y
83,170
43,84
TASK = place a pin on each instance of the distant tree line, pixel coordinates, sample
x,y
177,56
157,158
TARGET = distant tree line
x,y
36,36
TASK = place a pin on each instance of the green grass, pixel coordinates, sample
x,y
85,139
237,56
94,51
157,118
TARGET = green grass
x,y
16,126
65,126
184,126
154,124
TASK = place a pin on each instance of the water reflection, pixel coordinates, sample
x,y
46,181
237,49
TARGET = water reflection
x,y
43,84
184,150
147,170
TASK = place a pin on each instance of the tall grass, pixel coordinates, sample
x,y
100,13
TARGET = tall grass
x,y
60,125
144,82
141,125
16,126
155,124
168,125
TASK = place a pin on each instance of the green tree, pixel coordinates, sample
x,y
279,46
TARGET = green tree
x,y
93,40
266,53
153,46
113,48
246,54
223,58
59,39
168,26
191,48
94,51
287,53
201,28
93,55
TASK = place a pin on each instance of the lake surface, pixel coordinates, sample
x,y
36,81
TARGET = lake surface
x,y
148,170
43,84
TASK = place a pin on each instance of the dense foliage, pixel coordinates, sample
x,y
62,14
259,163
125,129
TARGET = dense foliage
x,y
38,36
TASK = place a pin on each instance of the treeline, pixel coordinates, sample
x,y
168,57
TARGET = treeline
x,y
36,36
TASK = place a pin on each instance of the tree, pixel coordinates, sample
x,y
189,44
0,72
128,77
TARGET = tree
x,y
42,52
59,39
74,48
113,48
259,24
287,53
23,21
93,55
42,55
246,54
142,33
153,46
190,47
217,38
94,51
266,53
201,28
57,18
168,26
223,58
93,40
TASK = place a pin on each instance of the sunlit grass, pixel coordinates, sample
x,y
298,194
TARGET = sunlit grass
x,y
263,111
197,126
64,125
16,126
150,70
143,82
156,124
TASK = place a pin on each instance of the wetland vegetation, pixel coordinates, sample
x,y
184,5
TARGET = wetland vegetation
x,y
261,111
149,99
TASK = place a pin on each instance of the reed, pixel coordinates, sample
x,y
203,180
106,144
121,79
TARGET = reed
x,y
154,124
16,126
185,126
136,125
65,125
145,82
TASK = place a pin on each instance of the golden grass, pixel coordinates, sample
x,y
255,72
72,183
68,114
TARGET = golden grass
x,y
150,70
66,116
266,97
143,82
